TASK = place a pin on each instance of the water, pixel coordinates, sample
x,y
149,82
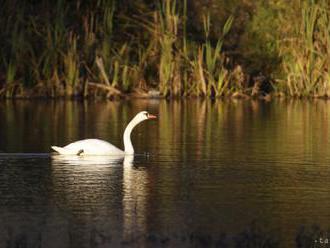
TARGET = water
x,y
219,173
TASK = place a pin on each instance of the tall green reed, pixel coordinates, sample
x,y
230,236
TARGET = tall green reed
x,y
214,59
71,66
166,21
64,51
306,54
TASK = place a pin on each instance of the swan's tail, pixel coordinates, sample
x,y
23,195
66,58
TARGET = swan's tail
x,y
64,151
60,150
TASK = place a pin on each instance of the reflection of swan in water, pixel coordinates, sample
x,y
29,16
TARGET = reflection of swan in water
x,y
135,199
92,194
98,192
101,147
88,160
128,160
58,159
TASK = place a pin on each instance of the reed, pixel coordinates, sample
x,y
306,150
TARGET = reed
x,y
10,79
215,60
71,66
306,54
82,50
166,22
209,74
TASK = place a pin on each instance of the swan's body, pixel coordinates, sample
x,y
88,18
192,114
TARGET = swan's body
x,y
101,147
89,147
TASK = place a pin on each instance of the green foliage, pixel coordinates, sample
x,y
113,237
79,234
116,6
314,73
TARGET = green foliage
x,y
306,54
258,44
62,52
179,48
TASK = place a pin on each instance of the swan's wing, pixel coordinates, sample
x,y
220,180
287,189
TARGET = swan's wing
x,y
93,147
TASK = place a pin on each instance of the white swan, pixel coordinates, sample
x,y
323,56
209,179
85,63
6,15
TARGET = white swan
x,y
101,147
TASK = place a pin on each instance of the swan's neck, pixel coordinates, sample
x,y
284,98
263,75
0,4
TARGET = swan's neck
x,y
127,136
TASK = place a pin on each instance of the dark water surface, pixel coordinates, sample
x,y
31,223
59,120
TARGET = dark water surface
x,y
207,174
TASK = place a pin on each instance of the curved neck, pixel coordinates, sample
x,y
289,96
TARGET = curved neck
x,y
127,136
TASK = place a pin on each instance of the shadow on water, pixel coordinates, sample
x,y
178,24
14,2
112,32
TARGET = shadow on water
x,y
219,174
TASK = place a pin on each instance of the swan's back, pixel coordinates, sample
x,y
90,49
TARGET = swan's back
x,y
89,147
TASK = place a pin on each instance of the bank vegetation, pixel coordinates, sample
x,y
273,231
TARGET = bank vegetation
x,y
167,48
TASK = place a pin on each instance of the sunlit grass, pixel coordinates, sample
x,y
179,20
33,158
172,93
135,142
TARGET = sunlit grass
x,y
306,54
77,50
74,51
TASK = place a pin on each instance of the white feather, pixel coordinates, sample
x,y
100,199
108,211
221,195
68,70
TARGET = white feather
x,y
101,147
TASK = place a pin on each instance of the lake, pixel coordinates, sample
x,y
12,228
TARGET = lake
x,y
233,173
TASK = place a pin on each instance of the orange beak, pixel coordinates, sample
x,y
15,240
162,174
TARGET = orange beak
x,y
152,116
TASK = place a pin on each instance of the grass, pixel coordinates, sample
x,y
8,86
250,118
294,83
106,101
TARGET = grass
x,y
306,54
103,50
75,51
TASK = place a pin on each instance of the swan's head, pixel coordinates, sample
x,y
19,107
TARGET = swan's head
x,y
144,115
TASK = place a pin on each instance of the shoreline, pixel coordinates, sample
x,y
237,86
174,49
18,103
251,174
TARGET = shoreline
x,y
134,96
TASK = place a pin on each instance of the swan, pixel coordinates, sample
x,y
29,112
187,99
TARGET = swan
x,y
101,147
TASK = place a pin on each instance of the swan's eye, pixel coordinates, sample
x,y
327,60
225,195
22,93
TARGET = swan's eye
x,y
146,114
